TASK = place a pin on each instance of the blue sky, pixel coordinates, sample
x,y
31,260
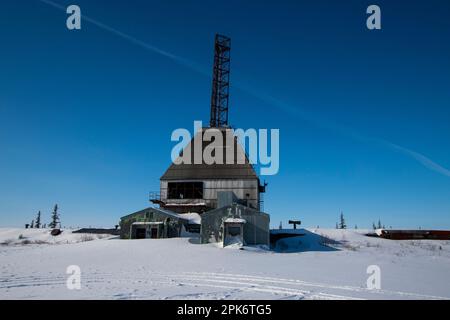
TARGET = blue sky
x,y
86,116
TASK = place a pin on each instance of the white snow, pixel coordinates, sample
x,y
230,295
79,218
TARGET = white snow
x,y
193,204
17,236
322,264
192,217
147,222
234,220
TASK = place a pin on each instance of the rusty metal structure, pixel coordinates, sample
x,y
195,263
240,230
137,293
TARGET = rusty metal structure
x,y
415,234
221,82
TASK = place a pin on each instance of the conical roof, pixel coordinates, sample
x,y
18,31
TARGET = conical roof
x,y
204,171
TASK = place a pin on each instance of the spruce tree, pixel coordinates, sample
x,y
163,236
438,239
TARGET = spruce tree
x,y
55,218
342,224
32,224
38,220
379,224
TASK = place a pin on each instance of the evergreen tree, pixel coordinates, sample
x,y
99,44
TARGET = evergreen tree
x,y
379,224
337,227
38,220
356,227
342,224
280,227
55,218
374,226
32,224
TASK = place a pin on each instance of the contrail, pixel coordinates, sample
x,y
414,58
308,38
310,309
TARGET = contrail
x,y
323,123
427,162
329,125
175,58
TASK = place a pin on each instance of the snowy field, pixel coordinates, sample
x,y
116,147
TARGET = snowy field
x,y
33,266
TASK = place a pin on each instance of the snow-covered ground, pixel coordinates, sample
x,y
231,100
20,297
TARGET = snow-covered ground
x,y
310,267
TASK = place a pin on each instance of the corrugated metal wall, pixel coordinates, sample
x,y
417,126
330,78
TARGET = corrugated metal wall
x,y
256,228
210,187
172,225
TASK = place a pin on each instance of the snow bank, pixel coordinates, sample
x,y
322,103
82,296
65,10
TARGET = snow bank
x,y
179,268
20,236
290,231
301,240
235,220
192,217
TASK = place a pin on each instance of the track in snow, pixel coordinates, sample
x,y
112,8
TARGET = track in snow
x,y
197,285
307,290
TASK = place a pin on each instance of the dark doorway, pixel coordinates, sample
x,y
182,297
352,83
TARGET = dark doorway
x,y
140,233
154,234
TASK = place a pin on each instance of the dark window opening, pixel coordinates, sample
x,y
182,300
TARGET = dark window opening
x,y
185,190
234,231
149,215
140,233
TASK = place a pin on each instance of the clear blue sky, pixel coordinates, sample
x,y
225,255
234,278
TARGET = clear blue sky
x,y
364,116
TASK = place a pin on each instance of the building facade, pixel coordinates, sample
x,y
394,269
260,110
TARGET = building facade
x,y
152,223
234,224
194,187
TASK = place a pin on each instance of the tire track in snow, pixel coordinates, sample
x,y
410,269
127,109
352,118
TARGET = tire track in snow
x,y
230,284
252,278
225,282
34,281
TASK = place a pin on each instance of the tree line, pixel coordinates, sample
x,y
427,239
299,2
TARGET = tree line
x,y
343,225
54,220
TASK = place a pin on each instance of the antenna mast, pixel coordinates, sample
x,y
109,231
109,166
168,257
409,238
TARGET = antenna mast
x,y
221,82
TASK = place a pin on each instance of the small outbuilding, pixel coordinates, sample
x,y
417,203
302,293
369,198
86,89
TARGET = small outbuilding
x,y
152,223
235,224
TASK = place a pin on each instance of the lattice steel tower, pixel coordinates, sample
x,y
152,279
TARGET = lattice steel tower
x,y
221,82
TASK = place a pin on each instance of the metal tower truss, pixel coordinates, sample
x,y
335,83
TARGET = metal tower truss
x,y
221,82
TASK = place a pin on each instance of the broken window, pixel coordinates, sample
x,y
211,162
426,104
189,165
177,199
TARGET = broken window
x,y
185,190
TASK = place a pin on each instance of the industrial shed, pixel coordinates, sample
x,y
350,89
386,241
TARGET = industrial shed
x,y
152,223
235,223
